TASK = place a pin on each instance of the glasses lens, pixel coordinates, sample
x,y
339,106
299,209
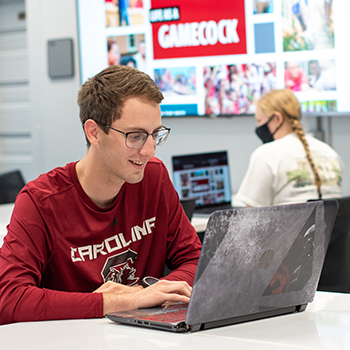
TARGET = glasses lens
x,y
136,139
162,135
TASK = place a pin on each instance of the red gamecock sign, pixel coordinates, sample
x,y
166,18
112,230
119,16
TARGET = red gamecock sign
x,y
193,28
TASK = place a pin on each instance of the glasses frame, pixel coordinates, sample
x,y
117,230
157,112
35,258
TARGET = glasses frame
x,y
162,128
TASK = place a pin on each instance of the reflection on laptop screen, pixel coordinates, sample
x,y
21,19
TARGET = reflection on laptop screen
x,y
205,176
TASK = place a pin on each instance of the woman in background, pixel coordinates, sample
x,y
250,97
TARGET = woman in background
x,y
290,166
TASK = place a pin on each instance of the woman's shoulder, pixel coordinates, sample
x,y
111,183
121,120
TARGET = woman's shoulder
x,y
275,146
278,149
322,149
318,145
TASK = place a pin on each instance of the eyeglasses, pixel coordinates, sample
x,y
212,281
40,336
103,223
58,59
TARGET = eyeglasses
x,y
137,139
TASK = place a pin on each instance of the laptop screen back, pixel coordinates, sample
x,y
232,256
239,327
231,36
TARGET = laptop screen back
x,y
260,259
204,175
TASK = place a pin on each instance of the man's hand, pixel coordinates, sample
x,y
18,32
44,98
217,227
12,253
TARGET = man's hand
x,y
163,291
117,297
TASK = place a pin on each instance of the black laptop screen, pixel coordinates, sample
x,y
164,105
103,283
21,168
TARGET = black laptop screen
x,y
205,176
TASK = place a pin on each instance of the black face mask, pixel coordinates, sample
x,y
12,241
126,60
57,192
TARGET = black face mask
x,y
264,132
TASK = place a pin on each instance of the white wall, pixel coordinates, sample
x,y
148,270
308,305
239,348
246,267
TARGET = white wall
x,y
57,132
340,131
15,126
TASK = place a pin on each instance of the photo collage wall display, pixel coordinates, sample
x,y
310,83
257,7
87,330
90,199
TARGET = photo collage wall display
x,y
220,60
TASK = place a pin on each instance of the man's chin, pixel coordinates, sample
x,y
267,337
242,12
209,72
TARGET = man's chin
x,y
135,179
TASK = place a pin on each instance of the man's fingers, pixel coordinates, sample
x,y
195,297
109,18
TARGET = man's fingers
x,y
139,297
173,287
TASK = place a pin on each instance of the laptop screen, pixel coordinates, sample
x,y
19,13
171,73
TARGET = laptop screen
x,y
204,175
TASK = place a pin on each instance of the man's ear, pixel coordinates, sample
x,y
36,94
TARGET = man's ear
x,y
92,129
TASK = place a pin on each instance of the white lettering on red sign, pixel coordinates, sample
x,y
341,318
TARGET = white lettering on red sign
x,y
195,34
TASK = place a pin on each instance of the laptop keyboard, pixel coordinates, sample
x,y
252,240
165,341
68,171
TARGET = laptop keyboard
x,y
169,317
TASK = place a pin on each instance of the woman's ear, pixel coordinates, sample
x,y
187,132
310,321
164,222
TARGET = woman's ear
x,y
91,129
279,117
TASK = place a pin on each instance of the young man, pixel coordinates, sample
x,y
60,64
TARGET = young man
x,y
83,237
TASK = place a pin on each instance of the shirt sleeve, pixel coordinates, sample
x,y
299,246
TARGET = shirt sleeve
x,y
25,252
257,187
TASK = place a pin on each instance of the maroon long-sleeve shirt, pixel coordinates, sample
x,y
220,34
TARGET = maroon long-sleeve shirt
x,y
60,246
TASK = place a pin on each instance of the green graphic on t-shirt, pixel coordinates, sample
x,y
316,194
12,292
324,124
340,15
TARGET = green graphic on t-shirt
x,y
301,177
328,171
338,175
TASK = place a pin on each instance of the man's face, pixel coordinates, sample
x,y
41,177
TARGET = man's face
x,y
120,163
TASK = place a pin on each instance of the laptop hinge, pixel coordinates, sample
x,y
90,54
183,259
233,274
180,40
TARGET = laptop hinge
x,y
247,318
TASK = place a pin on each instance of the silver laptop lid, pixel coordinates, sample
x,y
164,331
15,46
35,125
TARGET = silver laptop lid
x,y
259,259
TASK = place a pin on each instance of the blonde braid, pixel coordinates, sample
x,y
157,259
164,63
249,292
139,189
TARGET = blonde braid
x,y
285,102
297,128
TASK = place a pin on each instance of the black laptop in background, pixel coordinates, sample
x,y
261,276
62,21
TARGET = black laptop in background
x,y
205,176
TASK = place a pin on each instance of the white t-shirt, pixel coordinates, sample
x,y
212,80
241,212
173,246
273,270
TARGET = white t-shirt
x,y
280,173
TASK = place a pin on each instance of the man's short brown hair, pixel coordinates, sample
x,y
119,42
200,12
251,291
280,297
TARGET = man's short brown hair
x,y
102,97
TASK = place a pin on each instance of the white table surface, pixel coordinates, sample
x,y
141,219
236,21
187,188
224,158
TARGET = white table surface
x,y
324,325
199,223
5,215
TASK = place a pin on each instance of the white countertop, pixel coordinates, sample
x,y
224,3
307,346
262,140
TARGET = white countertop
x,y
5,215
324,325
199,223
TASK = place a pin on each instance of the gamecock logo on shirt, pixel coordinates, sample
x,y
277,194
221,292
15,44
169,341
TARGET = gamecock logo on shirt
x,y
119,268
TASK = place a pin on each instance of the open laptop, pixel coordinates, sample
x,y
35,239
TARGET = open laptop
x,y
255,263
205,176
